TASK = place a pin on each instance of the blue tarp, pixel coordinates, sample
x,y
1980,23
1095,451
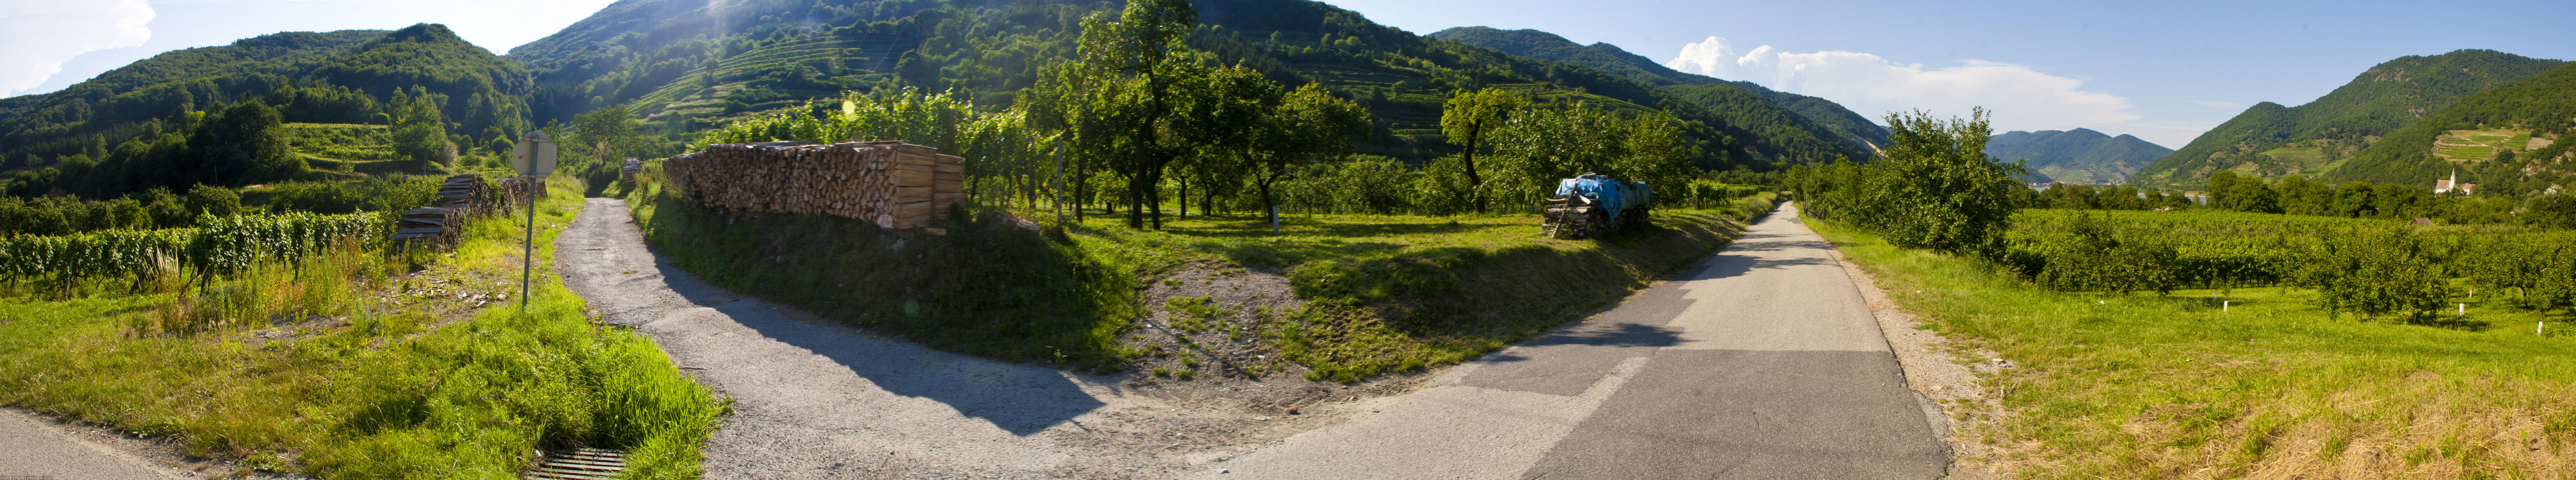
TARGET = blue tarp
x,y
1614,195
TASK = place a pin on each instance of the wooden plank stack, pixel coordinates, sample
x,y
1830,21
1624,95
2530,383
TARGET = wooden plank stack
x,y
894,184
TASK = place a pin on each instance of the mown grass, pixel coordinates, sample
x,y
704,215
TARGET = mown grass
x,y
348,374
2270,386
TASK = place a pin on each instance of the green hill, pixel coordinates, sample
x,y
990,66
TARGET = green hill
x,y
2509,139
1835,121
2314,139
138,126
2079,155
687,64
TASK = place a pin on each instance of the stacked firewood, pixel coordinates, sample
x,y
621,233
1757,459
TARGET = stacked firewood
x,y
461,199
894,184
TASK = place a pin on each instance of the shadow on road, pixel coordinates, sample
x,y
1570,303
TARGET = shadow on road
x,y
1021,399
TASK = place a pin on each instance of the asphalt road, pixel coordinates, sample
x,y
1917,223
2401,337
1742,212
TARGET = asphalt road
x,y
33,446
1762,362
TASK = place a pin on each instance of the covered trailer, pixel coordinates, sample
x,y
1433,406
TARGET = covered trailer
x,y
1593,205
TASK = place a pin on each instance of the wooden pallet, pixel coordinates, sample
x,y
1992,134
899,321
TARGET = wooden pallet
x,y
579,464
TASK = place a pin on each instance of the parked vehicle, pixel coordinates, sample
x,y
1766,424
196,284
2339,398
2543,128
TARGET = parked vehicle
x,y
1593,205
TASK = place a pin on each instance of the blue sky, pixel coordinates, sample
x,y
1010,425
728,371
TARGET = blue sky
x,y
2164,71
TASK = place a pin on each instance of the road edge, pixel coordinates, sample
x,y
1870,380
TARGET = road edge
x,y
1943,384
160,456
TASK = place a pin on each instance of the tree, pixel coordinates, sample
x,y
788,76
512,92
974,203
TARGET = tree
x,y
212,200
1138,60
2377,272
608,132
243,146
1309,124
1466,118
1936,189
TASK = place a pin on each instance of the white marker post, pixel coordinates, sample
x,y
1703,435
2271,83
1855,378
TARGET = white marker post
x,y
533,158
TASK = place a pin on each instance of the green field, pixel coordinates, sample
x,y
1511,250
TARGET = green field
x,y
2247,382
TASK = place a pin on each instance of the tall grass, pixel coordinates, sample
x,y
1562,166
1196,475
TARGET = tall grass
x,y
328,367
2258,383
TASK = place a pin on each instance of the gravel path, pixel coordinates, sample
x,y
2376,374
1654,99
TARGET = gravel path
x,y
814,399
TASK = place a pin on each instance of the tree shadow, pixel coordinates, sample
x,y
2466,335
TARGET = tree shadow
x,y
851,291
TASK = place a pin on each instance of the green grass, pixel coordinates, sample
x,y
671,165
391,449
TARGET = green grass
x,y
2146,386
1385,293
332,369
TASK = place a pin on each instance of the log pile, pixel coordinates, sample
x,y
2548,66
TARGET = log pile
x,y
461,199
894,184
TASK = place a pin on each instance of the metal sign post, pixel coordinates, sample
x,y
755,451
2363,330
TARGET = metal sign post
x,y
533,158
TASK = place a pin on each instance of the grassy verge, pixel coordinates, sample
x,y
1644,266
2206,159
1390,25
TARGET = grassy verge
x,y
2145,386
352,373
1383,293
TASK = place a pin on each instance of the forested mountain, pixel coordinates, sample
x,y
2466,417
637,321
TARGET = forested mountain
x,y
207,115
2079,155
2510,139
1837,122
2316,139
688,63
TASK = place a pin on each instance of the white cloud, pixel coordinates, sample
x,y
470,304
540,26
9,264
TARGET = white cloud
x,y
41,35
2021,98
2218,104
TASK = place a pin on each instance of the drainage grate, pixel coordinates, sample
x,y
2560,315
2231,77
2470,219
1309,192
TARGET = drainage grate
x,y
580,464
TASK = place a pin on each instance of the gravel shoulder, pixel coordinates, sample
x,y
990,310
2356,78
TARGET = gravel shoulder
x,y
814,398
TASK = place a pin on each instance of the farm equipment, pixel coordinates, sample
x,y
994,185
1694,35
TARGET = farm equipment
x,y
1593,205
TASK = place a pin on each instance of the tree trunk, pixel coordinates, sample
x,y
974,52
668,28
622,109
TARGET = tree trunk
x,y
1475,185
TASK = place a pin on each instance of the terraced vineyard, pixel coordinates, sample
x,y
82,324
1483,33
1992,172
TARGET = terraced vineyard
x,y
340,147
2483,144
859,57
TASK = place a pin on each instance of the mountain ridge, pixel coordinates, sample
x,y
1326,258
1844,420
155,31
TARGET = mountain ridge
x,y
2079,155
1835,120
2313,139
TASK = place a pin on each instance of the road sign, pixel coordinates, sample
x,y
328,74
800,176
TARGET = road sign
x,y
534,155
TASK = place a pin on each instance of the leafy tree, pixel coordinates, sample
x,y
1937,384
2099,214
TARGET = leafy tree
x,y
243,147
1936,189
608,133
1465,119
212,200
1134,64
2377,272
2551,211
1309,125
